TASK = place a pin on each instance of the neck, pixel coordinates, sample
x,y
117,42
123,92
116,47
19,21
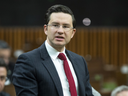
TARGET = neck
x,y
57,47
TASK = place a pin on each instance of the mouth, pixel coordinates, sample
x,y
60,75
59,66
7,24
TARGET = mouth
x,y
59,38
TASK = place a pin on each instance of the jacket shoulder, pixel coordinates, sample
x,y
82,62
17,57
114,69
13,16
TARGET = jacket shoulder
x,y
4,94
73,54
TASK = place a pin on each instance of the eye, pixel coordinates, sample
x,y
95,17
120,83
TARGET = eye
x,y
55,25
3,78
66,27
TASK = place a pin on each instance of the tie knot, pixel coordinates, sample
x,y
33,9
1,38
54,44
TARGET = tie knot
x,y
62,56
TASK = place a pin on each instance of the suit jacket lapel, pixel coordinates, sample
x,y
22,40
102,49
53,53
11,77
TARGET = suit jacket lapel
x,y
76,66
51,69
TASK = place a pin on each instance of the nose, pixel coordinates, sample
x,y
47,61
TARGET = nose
x,y
0,82
60,29
6,60
1,86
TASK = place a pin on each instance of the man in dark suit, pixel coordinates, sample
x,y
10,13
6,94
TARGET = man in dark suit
x,y
3,75
41,73
5,54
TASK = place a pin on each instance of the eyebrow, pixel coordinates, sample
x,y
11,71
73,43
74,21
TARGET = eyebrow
x,y
54,23
59,23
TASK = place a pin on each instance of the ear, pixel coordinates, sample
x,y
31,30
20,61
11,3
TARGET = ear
x,y
73,33
45,29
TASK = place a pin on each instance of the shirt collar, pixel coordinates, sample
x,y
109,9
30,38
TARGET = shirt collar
x,y
52,52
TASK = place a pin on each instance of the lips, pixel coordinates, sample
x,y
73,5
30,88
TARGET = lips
x,y
59,38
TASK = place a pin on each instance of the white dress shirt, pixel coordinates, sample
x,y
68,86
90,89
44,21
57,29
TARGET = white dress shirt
x,y
59,67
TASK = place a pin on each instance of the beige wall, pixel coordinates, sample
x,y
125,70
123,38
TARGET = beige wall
x,y
111,44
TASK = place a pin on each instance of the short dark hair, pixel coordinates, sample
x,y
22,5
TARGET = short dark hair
x,y
59,8
4,45
3,64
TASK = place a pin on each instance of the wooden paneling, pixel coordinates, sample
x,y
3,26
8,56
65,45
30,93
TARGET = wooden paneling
x,y
10,89
111,44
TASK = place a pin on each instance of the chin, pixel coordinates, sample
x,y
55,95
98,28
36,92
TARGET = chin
x,y
59,44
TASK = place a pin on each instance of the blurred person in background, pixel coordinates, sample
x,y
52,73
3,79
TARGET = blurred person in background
x,y
5,54
3,75
120,91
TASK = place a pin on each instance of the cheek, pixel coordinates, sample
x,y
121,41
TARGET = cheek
x,y
50,32
70,36
2,85
50,35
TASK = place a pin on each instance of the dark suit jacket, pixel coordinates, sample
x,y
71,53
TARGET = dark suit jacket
x,y
4,94
35,74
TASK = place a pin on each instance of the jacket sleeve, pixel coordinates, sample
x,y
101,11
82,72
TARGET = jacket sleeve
x,y
24,78
88,88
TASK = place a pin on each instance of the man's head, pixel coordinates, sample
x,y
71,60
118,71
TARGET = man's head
x,y
3,73
5,51
59,9
60,26
120,91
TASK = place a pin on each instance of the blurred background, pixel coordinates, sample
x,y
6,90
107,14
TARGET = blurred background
x,y
31,12
101,37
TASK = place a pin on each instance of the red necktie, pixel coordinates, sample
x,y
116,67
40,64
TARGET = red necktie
x,y
68,73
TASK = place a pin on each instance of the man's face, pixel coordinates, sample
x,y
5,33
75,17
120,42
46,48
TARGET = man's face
x,y
3,74
123,93
58,38
5,54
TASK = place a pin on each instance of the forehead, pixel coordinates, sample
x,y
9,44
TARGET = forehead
x,y
123,93
60,18
5,51
3,71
